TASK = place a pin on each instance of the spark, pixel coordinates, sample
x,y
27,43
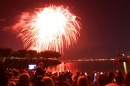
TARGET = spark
x,y
50,28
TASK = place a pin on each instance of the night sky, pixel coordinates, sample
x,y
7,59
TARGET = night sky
x,y
105,25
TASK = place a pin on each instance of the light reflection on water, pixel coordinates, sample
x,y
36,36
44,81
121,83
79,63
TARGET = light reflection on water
x,y
87,66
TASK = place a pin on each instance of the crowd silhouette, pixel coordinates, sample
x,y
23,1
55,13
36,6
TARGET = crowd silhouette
x,y
41,77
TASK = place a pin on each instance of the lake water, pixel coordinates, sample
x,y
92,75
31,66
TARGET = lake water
x,y
91,66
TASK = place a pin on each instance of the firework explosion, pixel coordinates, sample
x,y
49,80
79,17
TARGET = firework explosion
x,y
51,28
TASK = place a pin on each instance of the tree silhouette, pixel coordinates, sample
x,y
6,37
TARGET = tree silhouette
x,y
56,54
38,55
46,54
50,54
22,53
31,53
4,53
15,54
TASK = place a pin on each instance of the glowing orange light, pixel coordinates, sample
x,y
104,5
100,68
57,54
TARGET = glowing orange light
x,y
51,28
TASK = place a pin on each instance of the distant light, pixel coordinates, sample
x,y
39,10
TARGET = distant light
x,y
125,67
123,54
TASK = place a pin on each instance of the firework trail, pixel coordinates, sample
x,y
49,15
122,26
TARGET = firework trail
x,y
51,28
